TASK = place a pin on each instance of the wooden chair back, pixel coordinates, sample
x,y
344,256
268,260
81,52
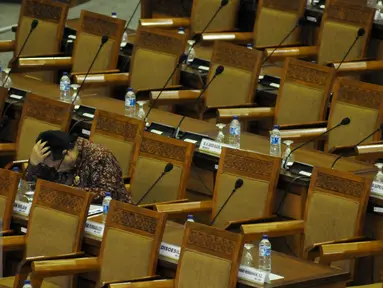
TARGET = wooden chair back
x,y
9,183
119,134
155,55
304,92
139,231
153,152
88,40
239,79
56,223
259,173
40,114
339,27
284,15
363,104
209,256
165,9
51,16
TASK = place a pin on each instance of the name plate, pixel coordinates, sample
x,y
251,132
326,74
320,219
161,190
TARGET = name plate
x,y
22,208
170,251
251,274
158,132
14,96
212,147
94,229
377,188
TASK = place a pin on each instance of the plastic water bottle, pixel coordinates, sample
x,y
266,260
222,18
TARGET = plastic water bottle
x,y
114,15
130,103
275,142
191,54
235,133
189,219
27,284
265,254
249,46
181,31
3,77
105,205
65,88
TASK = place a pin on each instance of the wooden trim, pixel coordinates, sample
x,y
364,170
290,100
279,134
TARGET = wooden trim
x,y
165,23
7,45
9,182
185,208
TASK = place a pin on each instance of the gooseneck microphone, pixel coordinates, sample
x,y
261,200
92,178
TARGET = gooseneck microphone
x,y
167,169
34,24
218,71
223,4
360,33
357,144
238,184
345,121
131,17
300,22
104,39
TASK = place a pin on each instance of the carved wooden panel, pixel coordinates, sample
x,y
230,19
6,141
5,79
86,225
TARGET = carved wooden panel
x,y
306,74
99,26
162,43
236,56
361,96
5,183
43,11
45,111
338,185
163,149
211,242
60,200
117,127
352,14
248,166
134,220
173,8
284,5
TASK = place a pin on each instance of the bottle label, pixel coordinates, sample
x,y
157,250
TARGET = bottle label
x,y
130,102
105,208
234,131
64,87
275,140
264,251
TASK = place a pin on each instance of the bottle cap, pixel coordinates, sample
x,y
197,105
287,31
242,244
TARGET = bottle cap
x,y
27,282
130,89
65,73
276,126
114,14
249,45
265,237
181,29
108,194
15,169
235,117
190,216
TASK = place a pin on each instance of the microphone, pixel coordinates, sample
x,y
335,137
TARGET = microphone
x,y
360,33
131,17
345,121
104,39
357,144
238,184
300,22
167,169
218,71
34,24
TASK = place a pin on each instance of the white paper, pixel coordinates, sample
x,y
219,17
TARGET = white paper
x,y
76,107
304,173
170,251
158,132
22,208
72,37
216,166
94,228
378,209
260,77
14,96
275,85
190,140
377,188
95,209
23,230
85,132
203,68
88,115
311,19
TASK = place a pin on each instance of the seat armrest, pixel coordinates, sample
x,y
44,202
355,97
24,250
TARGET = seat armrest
x,y
8,148
318,124
96,72
185,208
296,52
237,223
13,243
148,284
351,67
153,205
309,133
229,36
174,97
141,279
253,232
165,22
370,148
244,114
43,64
54,268
7,45
102,80
335,252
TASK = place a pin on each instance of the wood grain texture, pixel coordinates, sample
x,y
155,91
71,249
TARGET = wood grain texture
x,y
44,10
9,182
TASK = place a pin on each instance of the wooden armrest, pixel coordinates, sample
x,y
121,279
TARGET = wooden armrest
x,y
357,66
141,279
335,252
102,80
7,45
370,148
13,243
275,229
318,124
8,147
229,36
153,205
148,284
20,163
95,72
244,114
43,63
174,97
237,223
302,133
185,208
165,22
6,232
297,52
54,268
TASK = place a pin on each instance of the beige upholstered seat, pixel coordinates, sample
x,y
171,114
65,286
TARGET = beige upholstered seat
x,y
363,104
55,227
119,134
88,39
153,152
8,189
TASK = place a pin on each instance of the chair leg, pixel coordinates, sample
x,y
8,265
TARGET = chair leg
x,y
20,279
